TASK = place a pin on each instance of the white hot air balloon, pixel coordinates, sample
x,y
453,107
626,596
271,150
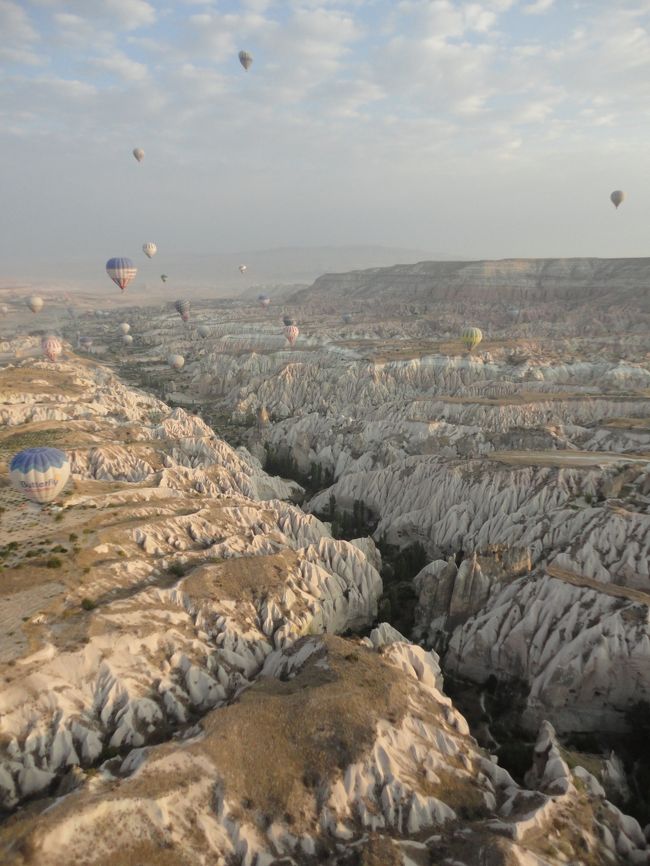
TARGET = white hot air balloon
x,y
149,250
138,153
40,474
176,362
127,339
203,331
242,269
4,309
35,303
125,328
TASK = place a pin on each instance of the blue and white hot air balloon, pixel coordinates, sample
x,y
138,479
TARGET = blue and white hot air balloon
x,y
121,271
40,474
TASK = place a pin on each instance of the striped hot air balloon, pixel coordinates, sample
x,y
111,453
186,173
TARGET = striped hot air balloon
x,y
40,474
121,271
51,347
245,59
149,250
471,337
182,307
291,333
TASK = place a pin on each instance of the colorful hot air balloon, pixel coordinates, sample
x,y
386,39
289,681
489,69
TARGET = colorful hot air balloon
x,y
138,153
164,277
291,333
617,197
264,300
182,307
149,249
51,347
203,331
35,303
124,328
242,269
471,337
245,59
40,474
127,339
176,362
121,271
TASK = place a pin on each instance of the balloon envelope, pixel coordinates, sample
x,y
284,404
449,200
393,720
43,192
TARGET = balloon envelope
x,y
264,300
203,331
245,59
121,271
242,268
138,153
617,197
125,328
40,474
291,333
127,339
164,278
471,337
149,250
51,347
182,307
35,303
176,362
4,309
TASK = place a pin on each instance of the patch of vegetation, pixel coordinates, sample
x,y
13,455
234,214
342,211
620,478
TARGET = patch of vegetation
x,y
177,569
88,604
73,536
59,549
53,562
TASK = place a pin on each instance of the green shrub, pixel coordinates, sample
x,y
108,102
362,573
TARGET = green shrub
x,y
54,562
88,604
177,569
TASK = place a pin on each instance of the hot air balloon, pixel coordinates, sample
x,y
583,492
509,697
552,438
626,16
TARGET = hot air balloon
x,y
471,337
4,309
121,271
40,474
86,342
35,303
51,347
291,333
245,59
264,300
287,320
617,197
176,362
242,268
347,318
127,339
149,249
183,309
203,331
124,328
164,277
138,153
263,419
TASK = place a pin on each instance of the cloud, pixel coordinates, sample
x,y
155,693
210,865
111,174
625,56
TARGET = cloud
x,y
117,63
539,7
17,35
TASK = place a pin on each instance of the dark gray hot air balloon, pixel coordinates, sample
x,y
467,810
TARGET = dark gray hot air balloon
x,y
182,307
617,197
245,59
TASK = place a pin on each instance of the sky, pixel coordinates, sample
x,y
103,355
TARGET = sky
x,y
468,129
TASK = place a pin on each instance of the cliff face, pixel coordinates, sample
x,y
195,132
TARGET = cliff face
x,y
570,279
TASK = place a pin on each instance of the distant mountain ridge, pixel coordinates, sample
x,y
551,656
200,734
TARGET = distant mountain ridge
x,y
577,278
